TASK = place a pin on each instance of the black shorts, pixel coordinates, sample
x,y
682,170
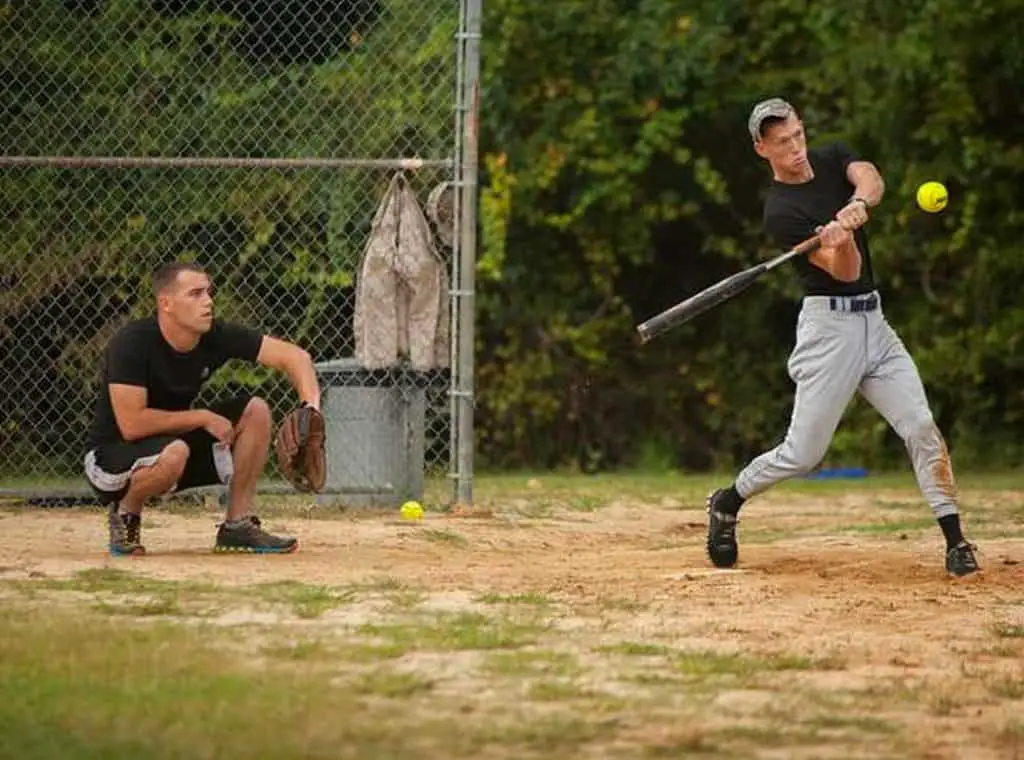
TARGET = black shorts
x,y
109,468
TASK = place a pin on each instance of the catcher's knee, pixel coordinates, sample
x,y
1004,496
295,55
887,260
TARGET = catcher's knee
x,y
257,414
174,457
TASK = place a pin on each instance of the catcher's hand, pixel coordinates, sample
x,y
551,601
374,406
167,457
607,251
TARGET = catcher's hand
x,y
299,445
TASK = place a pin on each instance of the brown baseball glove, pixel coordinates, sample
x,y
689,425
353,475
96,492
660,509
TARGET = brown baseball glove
x,y
299,445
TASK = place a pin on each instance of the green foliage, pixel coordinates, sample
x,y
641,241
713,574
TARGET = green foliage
x,y
355,79
616,177
619,178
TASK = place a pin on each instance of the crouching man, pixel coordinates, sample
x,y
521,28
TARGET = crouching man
x,y
146,438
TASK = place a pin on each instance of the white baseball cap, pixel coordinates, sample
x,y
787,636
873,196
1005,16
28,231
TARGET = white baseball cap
x,y
776,107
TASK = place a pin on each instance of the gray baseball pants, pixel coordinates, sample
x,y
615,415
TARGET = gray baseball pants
x,y
841,349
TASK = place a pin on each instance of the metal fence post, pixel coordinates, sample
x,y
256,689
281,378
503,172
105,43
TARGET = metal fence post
x,y
468,163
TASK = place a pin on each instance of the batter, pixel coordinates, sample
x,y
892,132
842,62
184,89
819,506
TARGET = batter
x,y
843,342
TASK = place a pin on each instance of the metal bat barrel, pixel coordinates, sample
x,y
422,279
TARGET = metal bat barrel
x,y
717,293
698,304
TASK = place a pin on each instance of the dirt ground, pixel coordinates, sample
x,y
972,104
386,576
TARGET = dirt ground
x,y
839,581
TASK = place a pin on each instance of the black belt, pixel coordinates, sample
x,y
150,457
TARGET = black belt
x,y
853,304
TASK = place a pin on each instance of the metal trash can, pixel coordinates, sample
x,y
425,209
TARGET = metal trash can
x,y
375,422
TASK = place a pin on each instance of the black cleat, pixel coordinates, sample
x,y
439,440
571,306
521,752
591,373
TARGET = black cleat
x,y
723,550
960,560
249,537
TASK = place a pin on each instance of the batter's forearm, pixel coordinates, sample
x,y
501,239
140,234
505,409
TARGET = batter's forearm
x,y
843,262
868,184
847,263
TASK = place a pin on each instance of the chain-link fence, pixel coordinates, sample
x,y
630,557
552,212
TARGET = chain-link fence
x,y
310,154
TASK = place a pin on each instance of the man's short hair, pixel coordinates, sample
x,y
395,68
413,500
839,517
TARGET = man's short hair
x,y
766,113
167,275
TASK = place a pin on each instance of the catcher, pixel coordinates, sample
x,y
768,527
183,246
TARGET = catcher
x,y
147,440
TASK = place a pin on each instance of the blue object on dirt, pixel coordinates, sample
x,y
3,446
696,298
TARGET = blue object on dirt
x,y
836,473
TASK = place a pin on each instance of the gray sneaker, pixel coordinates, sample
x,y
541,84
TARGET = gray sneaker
x,y
960,560
125,533
248,536
723,551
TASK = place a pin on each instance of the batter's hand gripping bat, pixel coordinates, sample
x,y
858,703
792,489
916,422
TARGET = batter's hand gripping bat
x,y
718,293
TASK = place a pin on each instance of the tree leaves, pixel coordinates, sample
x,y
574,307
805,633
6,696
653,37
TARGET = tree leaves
x,y
627,175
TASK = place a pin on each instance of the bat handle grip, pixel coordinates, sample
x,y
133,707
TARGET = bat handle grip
x,y
807,245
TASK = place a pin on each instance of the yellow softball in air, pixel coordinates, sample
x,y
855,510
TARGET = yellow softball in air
x,y
412,510
932,197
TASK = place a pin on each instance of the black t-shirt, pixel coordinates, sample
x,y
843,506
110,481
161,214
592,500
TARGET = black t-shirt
x,y
792,212
139,355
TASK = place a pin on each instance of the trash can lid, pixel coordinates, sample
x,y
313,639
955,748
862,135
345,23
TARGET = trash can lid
x,y
349,372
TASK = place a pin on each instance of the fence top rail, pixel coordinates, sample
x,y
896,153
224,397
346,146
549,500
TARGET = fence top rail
x,y
223,162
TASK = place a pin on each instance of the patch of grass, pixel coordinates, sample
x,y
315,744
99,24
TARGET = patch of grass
x,y
1006,687
885,528
586,504
445,536
944,701
123,593
716,663
456,631
553,734
533,600
781,728
651,487
160,605
556,691
116,581
406,600
306,601
856,723
1002,649
888,505
656,681
310,649
636,649
386,583
363,653
1008,630
80,686
776,734
524,662
621,604
392,684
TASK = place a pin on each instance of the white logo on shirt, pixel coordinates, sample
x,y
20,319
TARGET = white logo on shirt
x,y
205,373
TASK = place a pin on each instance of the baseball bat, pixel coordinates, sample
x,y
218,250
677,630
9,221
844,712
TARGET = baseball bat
x,y
718,293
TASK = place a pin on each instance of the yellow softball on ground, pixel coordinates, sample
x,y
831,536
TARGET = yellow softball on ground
x,y
932,197
412,510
